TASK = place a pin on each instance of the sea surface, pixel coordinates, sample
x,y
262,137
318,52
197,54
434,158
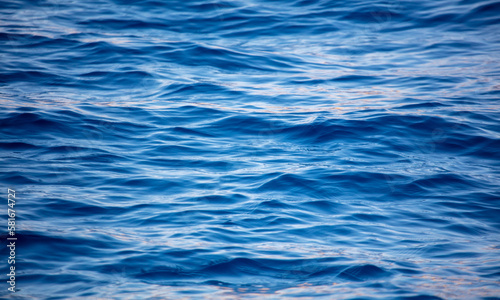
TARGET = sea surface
x,y
251,149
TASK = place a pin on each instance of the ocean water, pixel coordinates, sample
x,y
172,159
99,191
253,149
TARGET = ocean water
x,y
251,149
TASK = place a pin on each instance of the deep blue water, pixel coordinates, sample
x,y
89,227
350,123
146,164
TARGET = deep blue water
x,y
252,149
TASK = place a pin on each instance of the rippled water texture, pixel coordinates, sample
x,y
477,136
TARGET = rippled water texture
x,y
254,149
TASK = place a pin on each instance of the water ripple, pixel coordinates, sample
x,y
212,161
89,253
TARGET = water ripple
x,y
305,149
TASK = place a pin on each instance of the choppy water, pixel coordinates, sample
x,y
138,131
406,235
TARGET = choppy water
x,y
252,149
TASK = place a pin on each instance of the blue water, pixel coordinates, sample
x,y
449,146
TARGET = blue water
x,y
307,149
